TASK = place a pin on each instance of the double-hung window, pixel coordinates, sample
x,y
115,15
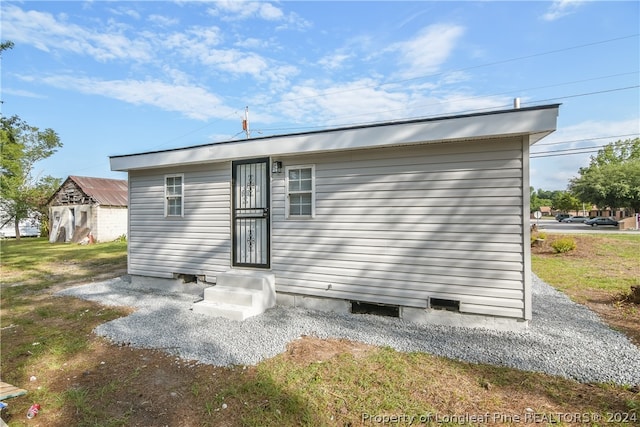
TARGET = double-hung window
x,y
300,184
174,195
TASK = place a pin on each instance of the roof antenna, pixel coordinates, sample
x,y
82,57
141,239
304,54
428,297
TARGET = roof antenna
x,y
245,122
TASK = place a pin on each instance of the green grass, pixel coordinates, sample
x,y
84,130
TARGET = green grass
x,y
340,390
604,262
39,263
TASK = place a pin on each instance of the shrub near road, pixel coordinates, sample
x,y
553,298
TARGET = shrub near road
x,y
82,380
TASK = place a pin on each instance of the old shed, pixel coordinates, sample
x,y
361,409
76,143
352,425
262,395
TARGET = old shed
x,y
426,219
85,205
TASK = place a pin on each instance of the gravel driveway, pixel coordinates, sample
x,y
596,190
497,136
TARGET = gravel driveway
x,y
564,338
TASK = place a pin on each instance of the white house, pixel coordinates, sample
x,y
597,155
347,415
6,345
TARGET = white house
x,y
425,219
84,205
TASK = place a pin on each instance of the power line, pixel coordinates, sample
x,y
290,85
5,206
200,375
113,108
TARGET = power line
x,y
586,94
467,99
562,154
587,139
570,150
456,70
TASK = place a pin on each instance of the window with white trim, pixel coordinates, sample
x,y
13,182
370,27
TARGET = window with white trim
x,y
174,195
301,189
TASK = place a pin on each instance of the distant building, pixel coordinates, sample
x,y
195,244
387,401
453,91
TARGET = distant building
x,y
85,205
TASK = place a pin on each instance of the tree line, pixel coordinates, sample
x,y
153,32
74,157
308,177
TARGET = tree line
x,y
612,180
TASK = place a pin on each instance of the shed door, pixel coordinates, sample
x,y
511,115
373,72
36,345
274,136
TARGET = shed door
x,y
251,224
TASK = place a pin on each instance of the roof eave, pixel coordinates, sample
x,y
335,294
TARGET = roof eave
x,y
535,121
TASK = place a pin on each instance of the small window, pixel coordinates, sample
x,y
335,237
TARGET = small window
x,y
173,195
301,198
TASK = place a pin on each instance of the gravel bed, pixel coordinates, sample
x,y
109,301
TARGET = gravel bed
x,y
564,338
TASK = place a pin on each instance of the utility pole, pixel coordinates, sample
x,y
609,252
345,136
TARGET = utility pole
x,y
245,123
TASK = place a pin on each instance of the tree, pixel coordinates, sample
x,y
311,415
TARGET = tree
x,y
21,147
538,199
612,178
565,201
6,45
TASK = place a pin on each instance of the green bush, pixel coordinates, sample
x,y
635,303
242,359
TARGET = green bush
x,y
563,245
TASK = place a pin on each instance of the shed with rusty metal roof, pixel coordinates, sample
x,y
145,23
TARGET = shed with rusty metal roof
x,y
87,209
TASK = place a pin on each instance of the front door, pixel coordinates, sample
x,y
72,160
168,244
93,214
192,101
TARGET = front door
x,y
251,224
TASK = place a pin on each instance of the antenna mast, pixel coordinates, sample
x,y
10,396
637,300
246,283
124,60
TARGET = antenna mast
x,y
245,122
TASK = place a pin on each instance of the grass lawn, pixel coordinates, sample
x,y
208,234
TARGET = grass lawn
x,y
598,273
38,263
82,380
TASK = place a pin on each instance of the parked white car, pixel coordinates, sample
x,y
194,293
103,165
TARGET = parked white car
x,y
576,218
25,231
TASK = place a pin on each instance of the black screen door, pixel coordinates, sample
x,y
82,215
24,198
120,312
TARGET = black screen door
x,y
251,224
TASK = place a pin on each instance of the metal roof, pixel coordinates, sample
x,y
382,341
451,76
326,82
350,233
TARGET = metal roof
x,y
107,192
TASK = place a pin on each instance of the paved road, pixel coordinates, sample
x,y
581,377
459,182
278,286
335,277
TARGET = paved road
x,y
563,227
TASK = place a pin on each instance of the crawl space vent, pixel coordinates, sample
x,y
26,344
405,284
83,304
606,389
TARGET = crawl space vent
x,y
444,304
358,307
187,278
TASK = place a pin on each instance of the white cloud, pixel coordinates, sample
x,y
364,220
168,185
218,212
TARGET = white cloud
x,y
238,10
334,61
203,44
47,33
21,92
125,11
366,100
234,10
293,21
428,50
252,43
191,101
270,12
162,21
560,8
235,61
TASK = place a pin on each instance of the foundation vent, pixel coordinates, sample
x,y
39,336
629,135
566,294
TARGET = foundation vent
x,y
444,304
186,278
358,307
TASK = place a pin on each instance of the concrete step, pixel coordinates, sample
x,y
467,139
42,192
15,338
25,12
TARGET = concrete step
x,y
246,279
231,295
229,311
239,294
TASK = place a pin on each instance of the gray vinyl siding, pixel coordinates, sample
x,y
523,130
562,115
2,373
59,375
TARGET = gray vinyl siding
x,y
405,224
198,242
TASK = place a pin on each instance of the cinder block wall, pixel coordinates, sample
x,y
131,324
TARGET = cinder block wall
x,y
112,223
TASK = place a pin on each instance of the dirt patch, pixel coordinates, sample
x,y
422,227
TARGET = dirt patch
x,y
618,313
307,350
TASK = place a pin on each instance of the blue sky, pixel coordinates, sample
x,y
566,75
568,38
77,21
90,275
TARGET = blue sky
x,y
124,77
